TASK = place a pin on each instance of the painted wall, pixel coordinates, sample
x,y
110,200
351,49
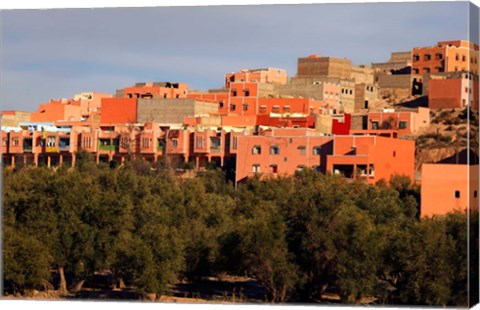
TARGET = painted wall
x,y
448,187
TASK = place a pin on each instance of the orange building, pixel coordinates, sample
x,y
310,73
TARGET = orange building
x,y
90,102
446,56
55,110
118,110
448,187
264,75
453,92
405,122
167,90
282,152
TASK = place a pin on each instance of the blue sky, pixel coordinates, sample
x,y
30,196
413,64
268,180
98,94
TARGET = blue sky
x,y
57,53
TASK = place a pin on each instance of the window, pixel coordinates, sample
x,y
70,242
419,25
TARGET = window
x,y
457,194
175,143
415,70
51,141
276,109
263,109
394,153
145,143
426,70
257,149
234,92
438,56
4,142
233,107
199,144
416,57
220,104
466,89
301,149
427,57
245,107
457,57
317,150
374,125
164,95
15,142
351,92
273,168
464,58
246,92
235,143
475,194
286,109
403,125
274,150
255,168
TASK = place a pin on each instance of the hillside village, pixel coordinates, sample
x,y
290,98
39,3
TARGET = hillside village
x,y
414,115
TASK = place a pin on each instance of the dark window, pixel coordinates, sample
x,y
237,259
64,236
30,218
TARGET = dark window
x,y
475,194
416,58
403,124
302,150
274,150
245,107
273,168
374,125
427,57
257,149
220,104
457,194
317,150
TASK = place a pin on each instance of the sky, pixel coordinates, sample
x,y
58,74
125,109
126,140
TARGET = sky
x,y
57,53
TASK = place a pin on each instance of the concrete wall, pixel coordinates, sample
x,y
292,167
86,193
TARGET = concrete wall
x,y
14,118
362,75
324,66
311,91
323,123
394,81
166,111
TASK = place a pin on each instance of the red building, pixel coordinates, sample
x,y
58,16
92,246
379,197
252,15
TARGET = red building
x,y
454,92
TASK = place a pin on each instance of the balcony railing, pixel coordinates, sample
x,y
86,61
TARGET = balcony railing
x,y
51,149
108,147
216,149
